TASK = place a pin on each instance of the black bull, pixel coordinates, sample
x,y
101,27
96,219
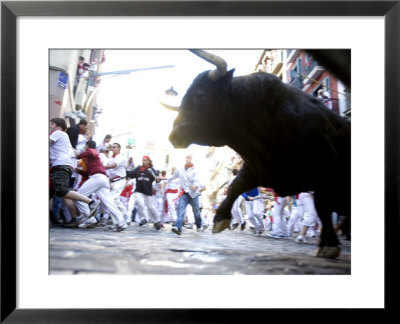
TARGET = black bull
x,y
289,141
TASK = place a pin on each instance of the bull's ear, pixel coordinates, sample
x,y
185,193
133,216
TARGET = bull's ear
x,y
229,74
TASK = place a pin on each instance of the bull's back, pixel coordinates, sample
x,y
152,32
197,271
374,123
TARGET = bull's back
x,y
303,144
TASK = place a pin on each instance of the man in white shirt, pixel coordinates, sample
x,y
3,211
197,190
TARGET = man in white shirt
x,y
61,167
191,186
116,171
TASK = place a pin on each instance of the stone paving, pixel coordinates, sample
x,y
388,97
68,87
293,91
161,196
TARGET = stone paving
x,y
143,250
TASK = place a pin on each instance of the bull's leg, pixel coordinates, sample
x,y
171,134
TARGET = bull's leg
x,y
243,182
328,246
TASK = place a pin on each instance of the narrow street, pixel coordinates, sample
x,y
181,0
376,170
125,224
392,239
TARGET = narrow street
x,y
143,250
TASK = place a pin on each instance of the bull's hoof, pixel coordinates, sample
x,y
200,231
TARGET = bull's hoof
x,y
328,252
221,225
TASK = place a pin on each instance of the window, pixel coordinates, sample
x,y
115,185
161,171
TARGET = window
x,y
299,68
327,83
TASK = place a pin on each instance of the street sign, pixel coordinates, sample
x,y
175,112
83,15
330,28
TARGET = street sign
x,y
62,80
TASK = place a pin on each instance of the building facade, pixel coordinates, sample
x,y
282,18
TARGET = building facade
x,y
305,73
299,69
70,96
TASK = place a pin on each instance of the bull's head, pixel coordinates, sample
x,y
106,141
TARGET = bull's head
x,y
201,113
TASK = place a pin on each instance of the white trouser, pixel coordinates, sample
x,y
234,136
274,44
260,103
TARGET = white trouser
x,y
267,223
99,184
124,200
237,214
151,212
171,201
102,209
142,213
310,214
77,182
131,206
159,202
116,188
295,218
279,224
254,211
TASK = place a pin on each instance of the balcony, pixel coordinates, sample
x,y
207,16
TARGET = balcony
x,y
312,71
292,55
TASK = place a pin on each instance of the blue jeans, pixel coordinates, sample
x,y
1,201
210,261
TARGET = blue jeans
x,y
185,200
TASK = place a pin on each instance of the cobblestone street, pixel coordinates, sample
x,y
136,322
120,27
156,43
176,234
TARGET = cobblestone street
x,y
143,250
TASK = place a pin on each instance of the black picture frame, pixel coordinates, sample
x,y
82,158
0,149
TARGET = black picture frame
x,y
11,10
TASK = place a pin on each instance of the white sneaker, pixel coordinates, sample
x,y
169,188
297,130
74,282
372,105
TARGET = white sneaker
x,y
301,239
81,219
204,228
88,222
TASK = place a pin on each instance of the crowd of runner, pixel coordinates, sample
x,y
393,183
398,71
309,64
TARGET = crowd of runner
x,y
94,184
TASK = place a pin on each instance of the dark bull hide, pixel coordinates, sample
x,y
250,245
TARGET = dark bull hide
x,y
289,141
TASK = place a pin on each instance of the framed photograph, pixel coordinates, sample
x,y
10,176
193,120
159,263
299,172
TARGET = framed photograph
x,y
31,28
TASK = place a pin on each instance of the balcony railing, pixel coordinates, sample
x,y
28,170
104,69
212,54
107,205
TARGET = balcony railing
x,y
312,70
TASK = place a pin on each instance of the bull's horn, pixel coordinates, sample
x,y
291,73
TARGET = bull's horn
x,y
174,108
221,65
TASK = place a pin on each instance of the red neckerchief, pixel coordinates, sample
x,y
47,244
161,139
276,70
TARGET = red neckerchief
x,y
187,166
114,155
143,168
